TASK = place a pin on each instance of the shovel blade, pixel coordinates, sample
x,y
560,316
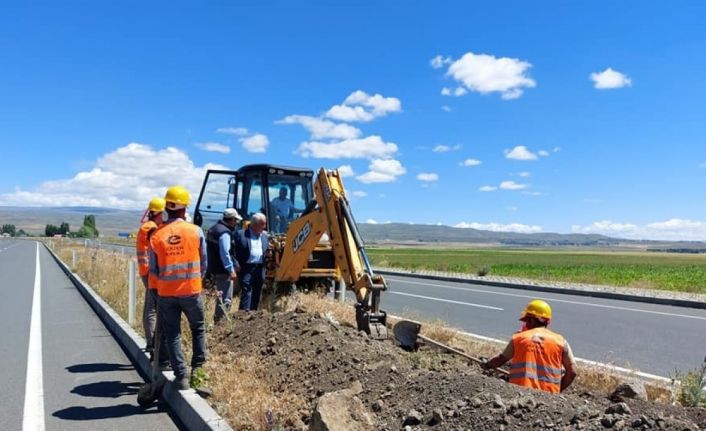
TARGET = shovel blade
x,y
406,333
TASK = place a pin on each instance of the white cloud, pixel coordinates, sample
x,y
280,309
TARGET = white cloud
x,y
256,143
543,153
511,185
125,178
214,147
240,131
427,176
359,194
674,229
471,162
702,166
520,152
556,149
512,208
438,62
446,108
382,171
446,148
531,193
610,79
486,74
498,227
323,129
346,171
524,174
365,148
371,221
360,106
487,189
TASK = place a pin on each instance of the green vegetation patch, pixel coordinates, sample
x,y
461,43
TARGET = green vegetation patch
x,y
665,271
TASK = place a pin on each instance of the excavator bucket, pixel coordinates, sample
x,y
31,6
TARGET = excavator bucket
x,y
406,333
374,324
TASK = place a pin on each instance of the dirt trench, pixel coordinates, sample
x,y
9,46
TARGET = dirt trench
x,y
305,356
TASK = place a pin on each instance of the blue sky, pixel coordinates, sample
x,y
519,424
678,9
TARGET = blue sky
x,y
524,116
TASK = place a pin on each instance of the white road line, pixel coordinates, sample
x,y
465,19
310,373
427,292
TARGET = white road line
x,y
470,304
33,419
589,304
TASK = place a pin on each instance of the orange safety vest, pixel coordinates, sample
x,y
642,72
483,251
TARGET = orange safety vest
x,y
142,246
177,247
536,362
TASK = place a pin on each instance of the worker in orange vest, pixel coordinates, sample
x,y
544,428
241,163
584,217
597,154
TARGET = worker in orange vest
x,y
537,354
178,261
142,249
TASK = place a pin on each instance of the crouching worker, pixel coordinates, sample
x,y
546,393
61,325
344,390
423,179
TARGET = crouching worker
x,y
178,260
537,354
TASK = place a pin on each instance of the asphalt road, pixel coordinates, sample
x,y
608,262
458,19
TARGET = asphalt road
x,y
64,371
655,339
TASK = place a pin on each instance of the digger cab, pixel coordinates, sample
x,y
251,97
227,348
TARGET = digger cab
x,y
282,193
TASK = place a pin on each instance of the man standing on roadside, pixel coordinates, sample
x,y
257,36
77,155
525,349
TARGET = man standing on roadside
x,y
178,261
142,249
537,354
250,247
220,259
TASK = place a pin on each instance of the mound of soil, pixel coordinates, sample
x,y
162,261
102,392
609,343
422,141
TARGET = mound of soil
x,y
309,355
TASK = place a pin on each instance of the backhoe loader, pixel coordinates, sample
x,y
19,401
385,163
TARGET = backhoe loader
x,y
314,240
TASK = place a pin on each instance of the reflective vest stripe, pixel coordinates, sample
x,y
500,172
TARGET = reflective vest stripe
x,y
178,266
543,368
531,375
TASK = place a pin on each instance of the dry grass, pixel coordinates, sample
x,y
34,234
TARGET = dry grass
x,y
241,393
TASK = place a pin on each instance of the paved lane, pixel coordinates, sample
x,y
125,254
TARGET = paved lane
x,y
653,338
87,381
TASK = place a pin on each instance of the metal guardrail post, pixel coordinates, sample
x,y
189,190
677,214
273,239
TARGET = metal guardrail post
x,y
341,290
132,266
73,260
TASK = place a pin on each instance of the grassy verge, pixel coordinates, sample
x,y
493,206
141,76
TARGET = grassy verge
x,y
665,271
241,393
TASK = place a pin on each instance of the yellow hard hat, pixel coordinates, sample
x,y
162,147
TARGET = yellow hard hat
x,y
156,205
177,197
537,308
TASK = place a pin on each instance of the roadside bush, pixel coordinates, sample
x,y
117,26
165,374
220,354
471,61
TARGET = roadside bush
x,y
483,271
691,391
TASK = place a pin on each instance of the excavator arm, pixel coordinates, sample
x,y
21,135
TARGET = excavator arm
x,y
332,215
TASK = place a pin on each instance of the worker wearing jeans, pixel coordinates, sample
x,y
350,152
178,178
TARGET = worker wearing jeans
x,y
178,261
220,259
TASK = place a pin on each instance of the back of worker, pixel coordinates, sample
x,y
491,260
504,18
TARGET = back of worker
x,y
537,359
178,260
178,245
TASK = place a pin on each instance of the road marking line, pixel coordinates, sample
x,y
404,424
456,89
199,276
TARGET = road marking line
x,y
470,304
614,307
33,419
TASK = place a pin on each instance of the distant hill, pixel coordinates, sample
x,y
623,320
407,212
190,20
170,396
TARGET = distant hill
x,y
33,220
401,232
110,221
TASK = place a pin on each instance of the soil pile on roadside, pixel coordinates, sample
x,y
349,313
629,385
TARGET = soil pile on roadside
x,y
311,355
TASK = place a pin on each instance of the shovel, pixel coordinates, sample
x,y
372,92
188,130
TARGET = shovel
x,y
407,333
150,391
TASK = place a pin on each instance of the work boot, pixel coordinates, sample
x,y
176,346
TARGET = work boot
x,y
182,383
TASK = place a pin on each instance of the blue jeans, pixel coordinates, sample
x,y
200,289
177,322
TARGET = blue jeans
x,y
251,276
225,287
170,309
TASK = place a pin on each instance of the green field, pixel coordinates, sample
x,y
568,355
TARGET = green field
x,y
666,271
